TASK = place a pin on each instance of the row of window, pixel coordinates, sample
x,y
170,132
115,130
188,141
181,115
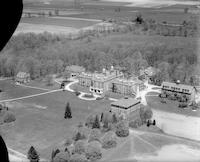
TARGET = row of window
x,y
176,89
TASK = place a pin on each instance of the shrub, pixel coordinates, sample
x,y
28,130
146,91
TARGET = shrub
x,y
33,155
68,142
78,158
148,114
122,129
81,133
135,123
9,117
90,121
95,135
96,123
109,140
61,157
54,153
93,151
79,147
88,95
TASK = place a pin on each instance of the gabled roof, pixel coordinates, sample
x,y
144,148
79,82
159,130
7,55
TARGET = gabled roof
x,y
125,102
75,68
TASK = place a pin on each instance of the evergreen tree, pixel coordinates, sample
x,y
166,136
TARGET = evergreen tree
x,y
33,155
114,118
54,152
68,113
96,123
101,117
105,123
78,136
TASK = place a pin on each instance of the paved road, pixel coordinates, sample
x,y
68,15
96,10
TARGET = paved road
x,y
30,96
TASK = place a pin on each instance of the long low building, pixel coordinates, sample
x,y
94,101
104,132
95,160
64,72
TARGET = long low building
x,y
182,89
126,107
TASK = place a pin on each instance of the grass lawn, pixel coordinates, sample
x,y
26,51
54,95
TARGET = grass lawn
x,y
80,88
42,84
47,128
58,22
14,91
170,106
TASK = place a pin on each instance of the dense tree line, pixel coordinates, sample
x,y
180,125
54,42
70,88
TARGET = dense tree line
x,y
45,54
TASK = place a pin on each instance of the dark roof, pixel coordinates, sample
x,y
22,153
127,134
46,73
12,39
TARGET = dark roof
x,y
125,102
75,68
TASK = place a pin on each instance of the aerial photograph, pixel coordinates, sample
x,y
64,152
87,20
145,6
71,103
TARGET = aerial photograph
x,y
102,81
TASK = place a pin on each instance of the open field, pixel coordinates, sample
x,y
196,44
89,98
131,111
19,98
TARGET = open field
x,y
173,13
45,128
145,41
65,22
38,28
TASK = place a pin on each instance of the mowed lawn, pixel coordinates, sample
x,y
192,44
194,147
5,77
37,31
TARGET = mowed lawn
x,y
144,144
46,128
58,22
171,106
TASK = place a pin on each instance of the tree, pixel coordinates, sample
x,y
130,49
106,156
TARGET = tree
x,y
68,113
95,135
122,129
33,156
90,121
101,119
78,158
114,119
79,147
142,116
186,10
9,117
135,123
49,80
57,12
62,157
109,140
96,123
93,151
53,154
50,13
148,114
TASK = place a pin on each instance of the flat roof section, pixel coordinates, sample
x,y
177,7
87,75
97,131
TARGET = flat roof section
x,y
125,103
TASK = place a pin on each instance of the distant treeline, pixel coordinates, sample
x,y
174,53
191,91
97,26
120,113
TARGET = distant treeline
x,y
45,54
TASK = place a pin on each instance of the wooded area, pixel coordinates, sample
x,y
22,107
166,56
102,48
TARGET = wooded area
x,y
45,54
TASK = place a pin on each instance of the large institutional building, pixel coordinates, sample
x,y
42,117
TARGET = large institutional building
x,y
110,80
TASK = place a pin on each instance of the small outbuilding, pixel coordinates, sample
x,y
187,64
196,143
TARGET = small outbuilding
x,y
74,70
22,77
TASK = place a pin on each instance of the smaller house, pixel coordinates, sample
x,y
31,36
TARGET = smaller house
x,y
126,107
74,70
22,77
148,74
